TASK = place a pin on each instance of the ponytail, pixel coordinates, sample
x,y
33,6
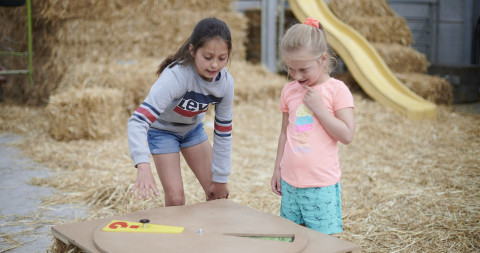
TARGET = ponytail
x,y
182,54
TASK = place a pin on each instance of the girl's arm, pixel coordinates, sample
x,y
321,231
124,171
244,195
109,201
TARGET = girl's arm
x,y
161,94
340,126
222,143
276,178
145,181
222,134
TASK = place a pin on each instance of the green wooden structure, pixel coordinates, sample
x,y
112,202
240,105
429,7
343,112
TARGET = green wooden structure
x,y
29,53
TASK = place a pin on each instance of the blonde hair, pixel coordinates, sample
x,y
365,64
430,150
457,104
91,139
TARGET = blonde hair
x,y
302,36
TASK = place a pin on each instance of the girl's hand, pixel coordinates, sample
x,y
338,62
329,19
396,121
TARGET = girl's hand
x,y
145,181
340,125
312,98
217,191
276,183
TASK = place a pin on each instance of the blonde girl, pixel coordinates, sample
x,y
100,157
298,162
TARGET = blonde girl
x,y
317,113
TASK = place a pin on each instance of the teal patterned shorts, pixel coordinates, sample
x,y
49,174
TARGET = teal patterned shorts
x,y
319,208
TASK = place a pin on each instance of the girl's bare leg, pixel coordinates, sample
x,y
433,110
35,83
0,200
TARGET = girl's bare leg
x,y
168,169
199,159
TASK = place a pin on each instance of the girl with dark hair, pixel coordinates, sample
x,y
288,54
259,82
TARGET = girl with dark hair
x,y
169,121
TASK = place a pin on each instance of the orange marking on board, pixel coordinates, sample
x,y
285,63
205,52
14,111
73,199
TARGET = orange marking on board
x,y
128,226
114,225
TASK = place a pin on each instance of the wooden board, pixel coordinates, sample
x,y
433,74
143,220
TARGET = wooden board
x,y
225,226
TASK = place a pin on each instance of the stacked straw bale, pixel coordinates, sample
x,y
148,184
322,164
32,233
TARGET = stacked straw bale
x,y
367,8
92,33
255,82
383,29
392,38
114,45
92,113
374,19
435,93
402,59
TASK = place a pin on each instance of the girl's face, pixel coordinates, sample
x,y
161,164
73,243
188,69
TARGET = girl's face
x,y
211,58
306,72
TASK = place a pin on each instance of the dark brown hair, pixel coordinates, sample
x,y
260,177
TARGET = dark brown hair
x,y
205,30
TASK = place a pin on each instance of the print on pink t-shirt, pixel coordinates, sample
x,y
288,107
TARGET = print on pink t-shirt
x,y
303,125
310,157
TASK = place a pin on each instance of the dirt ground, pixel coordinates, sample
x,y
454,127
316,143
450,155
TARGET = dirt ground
x,y
24,222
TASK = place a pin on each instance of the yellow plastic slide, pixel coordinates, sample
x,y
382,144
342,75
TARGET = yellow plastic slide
x,y
364,63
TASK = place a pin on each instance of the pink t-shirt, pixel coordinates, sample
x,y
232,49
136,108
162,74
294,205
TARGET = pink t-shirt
x,y
310,158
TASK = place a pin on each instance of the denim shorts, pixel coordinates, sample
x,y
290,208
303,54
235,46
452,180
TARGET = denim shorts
x,y
164,142
319,208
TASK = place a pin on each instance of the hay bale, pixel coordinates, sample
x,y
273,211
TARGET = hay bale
x,y
62,10
433,88
349,8
255,82
402,59
99,39
67,33
390,29
254,50
132,77
91,113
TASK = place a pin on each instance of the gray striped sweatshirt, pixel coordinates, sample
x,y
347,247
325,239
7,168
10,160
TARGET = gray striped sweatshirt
x,y
177,102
